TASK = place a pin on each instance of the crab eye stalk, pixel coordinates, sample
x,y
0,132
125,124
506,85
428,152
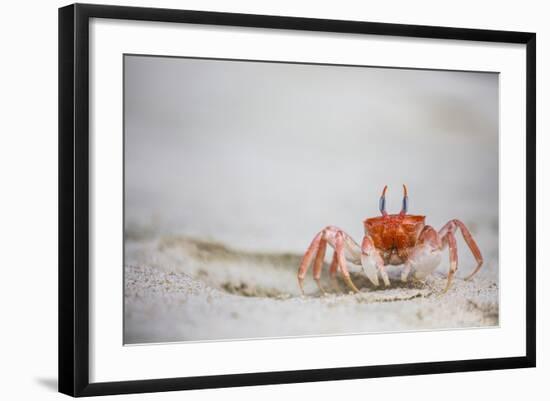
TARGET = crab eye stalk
x,y
382,202
405,206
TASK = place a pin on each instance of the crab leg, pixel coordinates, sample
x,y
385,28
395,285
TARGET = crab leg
x,y
318,264
453,258
306,260
342,261
333,270
451,226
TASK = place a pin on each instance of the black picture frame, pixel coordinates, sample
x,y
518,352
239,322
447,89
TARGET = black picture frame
x,y
74,194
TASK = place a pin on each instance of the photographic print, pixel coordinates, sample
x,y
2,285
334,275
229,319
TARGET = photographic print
x,y
277,199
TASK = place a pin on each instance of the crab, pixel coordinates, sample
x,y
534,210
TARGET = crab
x,y
390,239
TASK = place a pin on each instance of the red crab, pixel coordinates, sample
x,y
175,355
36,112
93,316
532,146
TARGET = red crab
x,y
390,239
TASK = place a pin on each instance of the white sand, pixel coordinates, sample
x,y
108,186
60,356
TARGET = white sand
x,y
178,289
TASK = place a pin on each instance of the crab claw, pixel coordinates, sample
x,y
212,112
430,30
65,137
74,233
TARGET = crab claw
x,y
368,262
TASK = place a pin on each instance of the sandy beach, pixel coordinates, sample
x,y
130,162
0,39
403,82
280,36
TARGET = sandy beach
x,y
179,288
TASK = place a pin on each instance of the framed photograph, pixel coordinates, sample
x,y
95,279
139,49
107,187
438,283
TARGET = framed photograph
x,y
252,199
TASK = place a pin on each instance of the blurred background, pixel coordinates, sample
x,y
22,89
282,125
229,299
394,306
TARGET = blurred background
x,y
260,156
